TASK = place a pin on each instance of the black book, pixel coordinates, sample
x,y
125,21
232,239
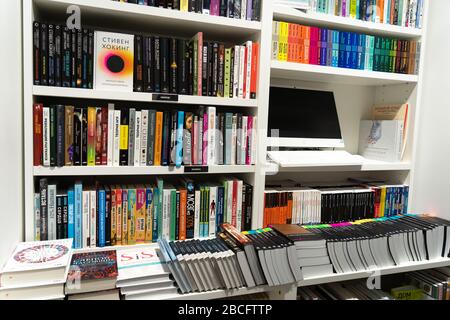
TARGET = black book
x,y
157,64
148,72
162,3
85,63
165,57
151,137
205,69
73,63
59,217
215,69
176,4
43,189
65,217
177,223
91,60
256,10
173,136
190,211
206,6
223,8
232,75
210,69
79,61
248,207
124,122
44,55
169,4
173,66
77,125
191,67
58,56
183,61
167,118
199,6
138,64
60,135
107,216
221,71
84,137
36,53
152,3
51,55
230,9
220,139
237,9
191,5
52,110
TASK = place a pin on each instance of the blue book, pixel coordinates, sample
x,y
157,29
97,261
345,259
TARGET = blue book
x,y
342,38
335,53
70,215
149,207
101,218
361,51
78,207
220,207
348,50
323,46
354,40
357,9
179,142
405,199
155,226
141,2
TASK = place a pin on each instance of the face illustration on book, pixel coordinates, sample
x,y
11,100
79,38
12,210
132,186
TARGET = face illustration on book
x,y
189,121
375,133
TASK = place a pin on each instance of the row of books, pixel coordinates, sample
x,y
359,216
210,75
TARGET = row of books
x,y
237,9
305,205
384,242
82,58
430,284
326,47
108,215
108,136
405,13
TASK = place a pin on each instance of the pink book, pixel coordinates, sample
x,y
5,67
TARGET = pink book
x,y
248,152
313,47
195,142
214,8
205,139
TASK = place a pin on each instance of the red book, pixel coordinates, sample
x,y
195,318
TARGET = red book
x,y
37,134
255,63
234,204
104,154
313,46
291,42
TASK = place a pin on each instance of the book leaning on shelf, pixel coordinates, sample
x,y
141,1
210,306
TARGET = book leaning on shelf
x,y
96,215
65,135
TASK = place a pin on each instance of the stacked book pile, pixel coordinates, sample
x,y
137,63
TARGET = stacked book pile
x,y
143,275
36,271
385,242
93,276
311,250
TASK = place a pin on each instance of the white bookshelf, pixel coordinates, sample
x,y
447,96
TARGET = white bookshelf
x,y
356,92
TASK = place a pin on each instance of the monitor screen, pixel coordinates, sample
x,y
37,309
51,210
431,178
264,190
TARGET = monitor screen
x,y
303,118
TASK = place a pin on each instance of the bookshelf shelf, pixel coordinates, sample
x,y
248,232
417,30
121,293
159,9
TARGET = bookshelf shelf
x,y
315,73
134,171
72,93
413,266
285,13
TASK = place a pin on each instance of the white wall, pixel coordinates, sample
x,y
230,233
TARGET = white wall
x,y
11,210
432,172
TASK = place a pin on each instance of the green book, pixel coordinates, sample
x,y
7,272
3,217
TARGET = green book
x,y
159,206
173,214
227,72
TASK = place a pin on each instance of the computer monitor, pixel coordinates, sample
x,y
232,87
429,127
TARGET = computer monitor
x,y
301,118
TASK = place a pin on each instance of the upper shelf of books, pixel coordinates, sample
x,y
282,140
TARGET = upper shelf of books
x,y
288,14
316,73
133,17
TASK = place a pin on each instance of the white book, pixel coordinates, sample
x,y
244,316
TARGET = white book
x,y
37,263
239,206
405,12
236,66
200,142
116,152
86,218
248,69
244,9
254,140
93,218
46,136
386,8
110,134
233,140
212,157
51,211
241,73
381,140
37,217
244,145
212,210
137,139
144,137
197,214
195,141
229,195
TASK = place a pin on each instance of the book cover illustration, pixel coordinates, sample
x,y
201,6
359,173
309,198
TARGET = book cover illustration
x,y
93,265
114,61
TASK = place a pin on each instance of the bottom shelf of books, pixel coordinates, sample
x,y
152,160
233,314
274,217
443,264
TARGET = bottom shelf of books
x,y
277,262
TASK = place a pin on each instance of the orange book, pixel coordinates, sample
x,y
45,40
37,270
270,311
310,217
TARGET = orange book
x,y
140,214
297,43
158,138
291,43
301,44
183,214
381,6
255,67
289,209
392,11
306,41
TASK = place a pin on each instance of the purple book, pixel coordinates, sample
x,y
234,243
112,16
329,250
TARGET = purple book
x,y
344,8
249,10
215,8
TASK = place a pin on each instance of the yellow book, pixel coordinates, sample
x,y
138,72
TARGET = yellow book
x,y
91,130
353,9
158,138
382,201
184,5
283,41
149,214
131,216
141,211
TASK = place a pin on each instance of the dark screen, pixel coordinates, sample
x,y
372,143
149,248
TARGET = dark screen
x,y
303,114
